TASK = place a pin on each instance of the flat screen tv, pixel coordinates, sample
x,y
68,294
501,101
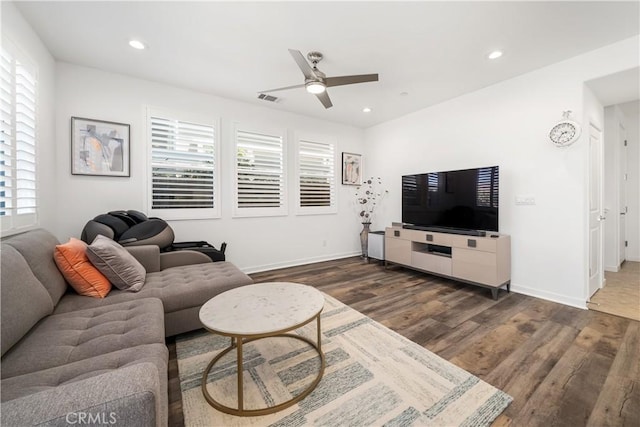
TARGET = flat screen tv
x,y
453,201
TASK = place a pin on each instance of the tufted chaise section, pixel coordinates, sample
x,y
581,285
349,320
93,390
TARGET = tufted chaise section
x,y
64,338
182,291
201,281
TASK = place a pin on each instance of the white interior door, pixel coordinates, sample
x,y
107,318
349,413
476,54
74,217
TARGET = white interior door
x,y
623,196
596,215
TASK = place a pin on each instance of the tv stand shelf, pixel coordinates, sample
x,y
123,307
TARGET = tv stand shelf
x,y
478,260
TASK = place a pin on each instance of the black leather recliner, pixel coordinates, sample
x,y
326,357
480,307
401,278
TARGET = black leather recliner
x,y
133,228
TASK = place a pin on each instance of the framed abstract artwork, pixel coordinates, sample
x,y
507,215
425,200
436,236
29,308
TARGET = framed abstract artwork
x,y
99,147
351,169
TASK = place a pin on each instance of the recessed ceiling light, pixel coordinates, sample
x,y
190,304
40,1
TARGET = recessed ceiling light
x,y
495,54
366,110
137,44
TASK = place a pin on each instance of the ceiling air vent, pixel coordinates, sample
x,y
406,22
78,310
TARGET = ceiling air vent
x,y
269,98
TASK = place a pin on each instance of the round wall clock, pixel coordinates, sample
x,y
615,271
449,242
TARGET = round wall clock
x,y
565,132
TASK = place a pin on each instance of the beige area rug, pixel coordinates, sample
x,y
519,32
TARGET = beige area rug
x,y
373,377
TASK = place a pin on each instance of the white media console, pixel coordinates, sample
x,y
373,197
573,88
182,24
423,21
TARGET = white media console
x,y
478,260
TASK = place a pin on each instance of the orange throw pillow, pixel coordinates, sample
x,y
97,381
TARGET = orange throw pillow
x,y
76,268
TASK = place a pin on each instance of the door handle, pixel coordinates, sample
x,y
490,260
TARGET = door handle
x,y
623,213
601,217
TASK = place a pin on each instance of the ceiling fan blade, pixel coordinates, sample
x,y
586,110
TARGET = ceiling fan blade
x,y
282,88
324,98
348,80
303,64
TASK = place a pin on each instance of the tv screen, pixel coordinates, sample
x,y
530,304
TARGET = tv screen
x,y
462,199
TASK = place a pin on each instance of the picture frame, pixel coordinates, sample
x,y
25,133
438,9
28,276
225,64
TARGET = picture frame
x,y
99,147
351,169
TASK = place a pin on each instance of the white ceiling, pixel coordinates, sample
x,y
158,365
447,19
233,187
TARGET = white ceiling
x,y
617,88
433,51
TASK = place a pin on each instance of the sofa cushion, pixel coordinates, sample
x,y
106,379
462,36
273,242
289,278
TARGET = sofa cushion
x,y
34,382
37,248
197,283
120,267
134,395
69,337
24,299
178,287
84,278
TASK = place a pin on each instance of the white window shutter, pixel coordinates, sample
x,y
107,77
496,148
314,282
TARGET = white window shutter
x,y
316,177
18,113
184,166
260,173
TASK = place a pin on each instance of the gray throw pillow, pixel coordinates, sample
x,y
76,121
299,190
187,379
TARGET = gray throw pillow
x,y
118,265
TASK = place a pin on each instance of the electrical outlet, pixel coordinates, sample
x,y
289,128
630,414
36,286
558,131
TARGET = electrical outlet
x,y
525,199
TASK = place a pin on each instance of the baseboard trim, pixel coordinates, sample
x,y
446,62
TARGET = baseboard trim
x,y
549,296
295,263
633,259
537,293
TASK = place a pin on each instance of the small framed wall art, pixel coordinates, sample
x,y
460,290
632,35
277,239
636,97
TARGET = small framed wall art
x,y
99,147
351,169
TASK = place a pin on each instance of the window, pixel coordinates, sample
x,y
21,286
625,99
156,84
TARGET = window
x,y
18,183
432,182
260,173
316,166
487,193
184,167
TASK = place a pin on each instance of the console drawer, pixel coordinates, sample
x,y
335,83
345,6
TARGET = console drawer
x,y
419,236
468,242
430,237
397,233
433,263
397,250
476,266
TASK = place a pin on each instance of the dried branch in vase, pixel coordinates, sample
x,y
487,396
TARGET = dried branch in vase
x,y
368,197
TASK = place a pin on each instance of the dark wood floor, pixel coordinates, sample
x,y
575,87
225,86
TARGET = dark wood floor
x,y
563,366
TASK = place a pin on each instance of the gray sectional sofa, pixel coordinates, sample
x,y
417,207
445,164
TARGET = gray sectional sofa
x,y
74,360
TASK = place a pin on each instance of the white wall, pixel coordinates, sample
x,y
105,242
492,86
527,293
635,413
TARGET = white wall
x,y
507,125
632,128
614,118
254,243
20,33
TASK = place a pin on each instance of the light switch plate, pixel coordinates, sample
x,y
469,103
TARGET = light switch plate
x,y
525,199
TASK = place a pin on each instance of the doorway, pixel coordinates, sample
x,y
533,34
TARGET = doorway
x,y
619,95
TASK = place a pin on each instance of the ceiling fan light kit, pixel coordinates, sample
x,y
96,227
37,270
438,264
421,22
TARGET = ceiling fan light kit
x,y
315,87
316,82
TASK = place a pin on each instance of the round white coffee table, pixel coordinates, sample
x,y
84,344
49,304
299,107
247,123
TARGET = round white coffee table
x,y
260,311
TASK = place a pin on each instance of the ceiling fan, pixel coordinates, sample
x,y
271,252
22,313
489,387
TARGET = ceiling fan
x,y
316,82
